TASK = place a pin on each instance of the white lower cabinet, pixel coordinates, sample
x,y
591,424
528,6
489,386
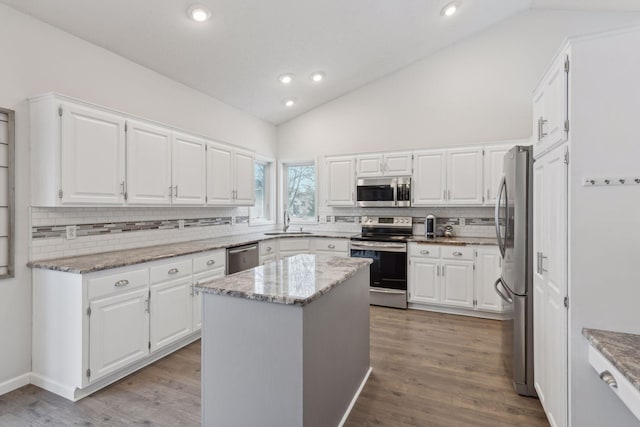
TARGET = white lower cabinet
x,y
275,249
171,312
453,276
197,296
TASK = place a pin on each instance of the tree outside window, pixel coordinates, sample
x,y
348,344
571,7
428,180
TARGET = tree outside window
x,y
300,188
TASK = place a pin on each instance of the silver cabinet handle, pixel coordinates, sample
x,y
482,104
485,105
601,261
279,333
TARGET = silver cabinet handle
x,y
457,253
173,271
147,309
211,262
176,187
121,283
424,252
539,131
488,193
542,123
438,271
540,263
444,194
269,248
608,378
170,191
443,270
122,188
448,194
193,288
332,246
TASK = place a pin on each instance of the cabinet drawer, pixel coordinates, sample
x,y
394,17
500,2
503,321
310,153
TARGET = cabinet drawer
x,y
424,251
269,247
210,261
332,245
293,245
170,271
457,252
120,282
208,276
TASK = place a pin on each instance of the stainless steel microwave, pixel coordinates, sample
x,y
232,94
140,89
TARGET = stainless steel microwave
x,y
383,192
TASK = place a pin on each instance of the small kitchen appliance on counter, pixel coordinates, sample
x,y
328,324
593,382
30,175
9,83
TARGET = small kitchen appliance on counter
x,y
430,226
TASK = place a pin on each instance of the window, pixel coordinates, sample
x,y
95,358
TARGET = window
x,y
300,191
262,211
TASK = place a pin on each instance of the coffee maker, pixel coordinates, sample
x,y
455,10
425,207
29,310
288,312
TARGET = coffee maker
x,y
430,226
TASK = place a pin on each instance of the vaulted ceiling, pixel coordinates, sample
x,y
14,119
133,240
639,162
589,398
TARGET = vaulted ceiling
x,y
238,55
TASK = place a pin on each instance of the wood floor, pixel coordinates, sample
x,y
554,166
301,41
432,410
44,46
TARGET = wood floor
x,y
429,369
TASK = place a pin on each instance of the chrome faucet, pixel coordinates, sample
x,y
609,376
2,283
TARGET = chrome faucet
x,y
286,221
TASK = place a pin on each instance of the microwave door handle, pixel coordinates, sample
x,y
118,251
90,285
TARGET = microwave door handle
x,y
394,184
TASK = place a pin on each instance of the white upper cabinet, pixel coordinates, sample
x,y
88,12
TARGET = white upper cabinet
x,y
92,156
340,181
188,170
464,176
148,164
389,164
429,178
550,107
493,171
230,176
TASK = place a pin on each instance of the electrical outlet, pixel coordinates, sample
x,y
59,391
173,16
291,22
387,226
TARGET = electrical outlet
x,y
71,232
463,222
181,224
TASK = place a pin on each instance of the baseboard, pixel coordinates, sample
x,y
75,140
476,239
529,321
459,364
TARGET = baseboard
x,y
355,398
458,311
15,383
53,386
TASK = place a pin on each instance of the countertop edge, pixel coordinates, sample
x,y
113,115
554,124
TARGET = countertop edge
x,y
601,347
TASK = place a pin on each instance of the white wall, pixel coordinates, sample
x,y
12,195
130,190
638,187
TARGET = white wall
x,y
36,58
479,89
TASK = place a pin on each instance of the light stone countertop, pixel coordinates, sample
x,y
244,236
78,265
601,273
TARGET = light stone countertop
x,y
296,280
622,350
83,264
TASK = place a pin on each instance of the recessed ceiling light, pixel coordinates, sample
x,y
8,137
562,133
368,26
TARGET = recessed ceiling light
x,y
198,12
317,76
285,79
289,102
450,9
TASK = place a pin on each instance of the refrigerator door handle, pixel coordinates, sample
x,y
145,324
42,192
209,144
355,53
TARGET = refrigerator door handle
x,y
501,241
506,299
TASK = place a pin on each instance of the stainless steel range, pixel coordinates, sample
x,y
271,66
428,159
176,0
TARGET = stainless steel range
x,y
384,239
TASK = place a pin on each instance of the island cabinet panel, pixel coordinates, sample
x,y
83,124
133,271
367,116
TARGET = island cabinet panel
x,y
171,312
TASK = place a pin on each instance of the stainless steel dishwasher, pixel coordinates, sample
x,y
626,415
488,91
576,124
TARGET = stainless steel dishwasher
x,y
241,258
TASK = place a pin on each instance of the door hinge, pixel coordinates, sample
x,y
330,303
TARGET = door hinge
x,y
126,195
412,157
474,266
88,311
566,125
206,148
483,151
60,111
566,65
566,157
126,126
60,193
482,199
88,373
149,345
566,302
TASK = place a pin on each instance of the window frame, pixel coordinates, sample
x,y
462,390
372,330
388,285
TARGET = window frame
x,y
269,192
283,187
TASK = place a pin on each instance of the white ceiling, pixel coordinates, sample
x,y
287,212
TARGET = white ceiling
x,y
238,55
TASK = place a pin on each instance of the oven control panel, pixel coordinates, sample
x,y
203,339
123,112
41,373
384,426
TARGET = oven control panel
x,y
392,221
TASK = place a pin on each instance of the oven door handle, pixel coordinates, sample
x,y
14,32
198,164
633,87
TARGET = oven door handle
x,y
387,291
382,247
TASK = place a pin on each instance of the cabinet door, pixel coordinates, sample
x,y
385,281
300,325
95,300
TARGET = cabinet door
x,y
244,173
171,312
464,176
219,175
457,283
197,296
369,165
148,164
539,296
429,178
424,280
340,181
555,103
397,164
538,138
188,170
93,157
493,171
118,332
488,266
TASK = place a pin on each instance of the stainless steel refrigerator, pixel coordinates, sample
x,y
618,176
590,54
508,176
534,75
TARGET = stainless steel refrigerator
x,y
514,229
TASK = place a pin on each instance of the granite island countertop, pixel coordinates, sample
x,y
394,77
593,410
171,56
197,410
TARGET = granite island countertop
x,y
296,280
622,350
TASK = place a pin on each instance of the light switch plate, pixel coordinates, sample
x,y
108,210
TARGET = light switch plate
x,y
71,232
181,224
463,222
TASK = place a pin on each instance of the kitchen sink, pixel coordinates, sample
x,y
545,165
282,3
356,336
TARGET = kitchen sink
x,y
287,233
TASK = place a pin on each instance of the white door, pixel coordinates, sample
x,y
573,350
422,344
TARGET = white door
x,y
244,172
370,165
93,157
188,167
197,296
555,103
464,176
488,270
171,312
219,175
493,171
429,178
118,332
397,164
424,280
457,283
148,164
340,179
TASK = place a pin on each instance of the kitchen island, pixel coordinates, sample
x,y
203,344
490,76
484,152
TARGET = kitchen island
x,y
287,343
